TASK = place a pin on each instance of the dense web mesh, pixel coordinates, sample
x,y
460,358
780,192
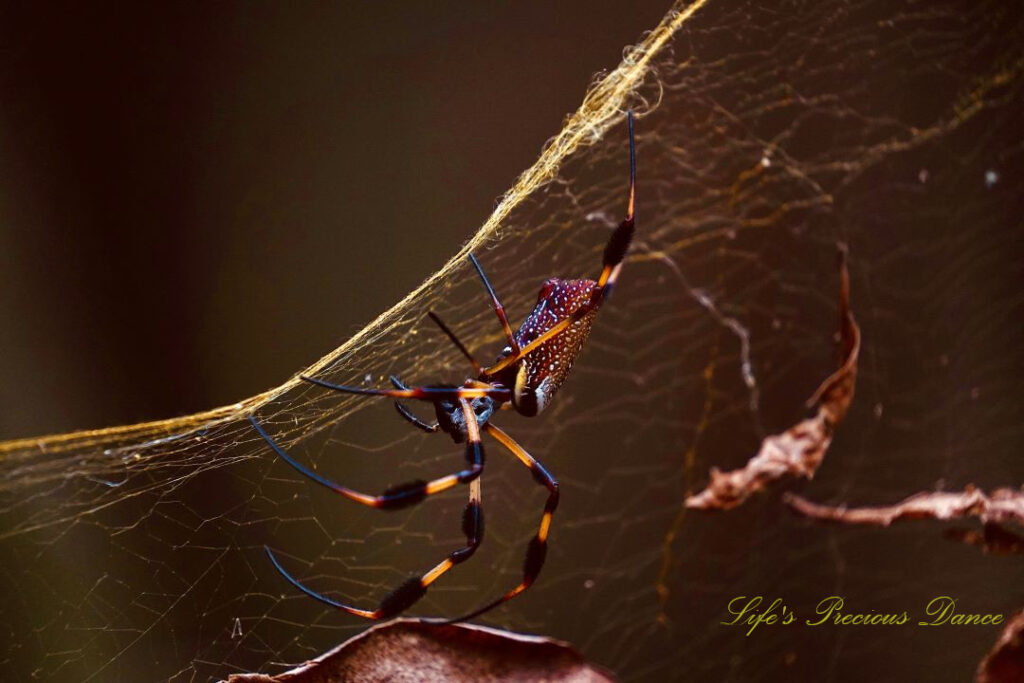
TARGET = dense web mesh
x,y
766,134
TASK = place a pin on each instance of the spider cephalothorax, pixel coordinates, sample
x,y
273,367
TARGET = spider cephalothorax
x,y
526,374
452,421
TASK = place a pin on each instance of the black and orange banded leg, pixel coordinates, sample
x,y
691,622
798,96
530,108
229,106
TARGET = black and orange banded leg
x,y
618,243
537,550
479,390
499,310
396,497
414,588
614,254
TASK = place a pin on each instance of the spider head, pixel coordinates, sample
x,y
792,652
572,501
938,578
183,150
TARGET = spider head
x,y
453,422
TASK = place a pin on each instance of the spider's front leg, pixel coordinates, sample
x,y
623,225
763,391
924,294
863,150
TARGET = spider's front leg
x,y
409,592
614,254
433,394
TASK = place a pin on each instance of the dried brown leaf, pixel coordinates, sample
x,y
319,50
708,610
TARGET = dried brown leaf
x,y
411,650
1003,506
800,449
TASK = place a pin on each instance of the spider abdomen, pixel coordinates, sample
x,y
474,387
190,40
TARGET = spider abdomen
x,y
541,371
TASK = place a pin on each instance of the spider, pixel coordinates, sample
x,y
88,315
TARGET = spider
x,y
526,375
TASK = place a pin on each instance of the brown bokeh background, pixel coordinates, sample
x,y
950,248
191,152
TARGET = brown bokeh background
x,y
197,201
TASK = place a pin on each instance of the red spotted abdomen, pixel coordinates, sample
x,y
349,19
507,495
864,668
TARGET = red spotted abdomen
x,y
542,371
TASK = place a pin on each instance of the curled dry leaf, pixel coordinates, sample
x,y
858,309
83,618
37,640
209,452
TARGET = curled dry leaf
x,y
407,650
1005,661
801,448
1003,506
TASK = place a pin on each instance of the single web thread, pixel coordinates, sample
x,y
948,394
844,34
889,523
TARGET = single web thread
x,y
764,138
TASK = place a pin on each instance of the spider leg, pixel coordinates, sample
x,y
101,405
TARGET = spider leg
x,y
614,253
477,369
618,243
407,414
415,421
537,551
414,588
498,393
403,495
365,613
499,310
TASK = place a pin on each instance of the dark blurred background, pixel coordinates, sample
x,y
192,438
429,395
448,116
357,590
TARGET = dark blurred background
x,y
195,204
198,200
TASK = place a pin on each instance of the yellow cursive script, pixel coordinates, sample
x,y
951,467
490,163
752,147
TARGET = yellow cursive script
x,y
942,610
748,613
830,609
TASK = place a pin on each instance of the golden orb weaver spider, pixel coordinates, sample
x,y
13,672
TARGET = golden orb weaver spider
x,y
527,374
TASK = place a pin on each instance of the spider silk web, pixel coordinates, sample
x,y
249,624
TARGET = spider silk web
x,y
766,134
